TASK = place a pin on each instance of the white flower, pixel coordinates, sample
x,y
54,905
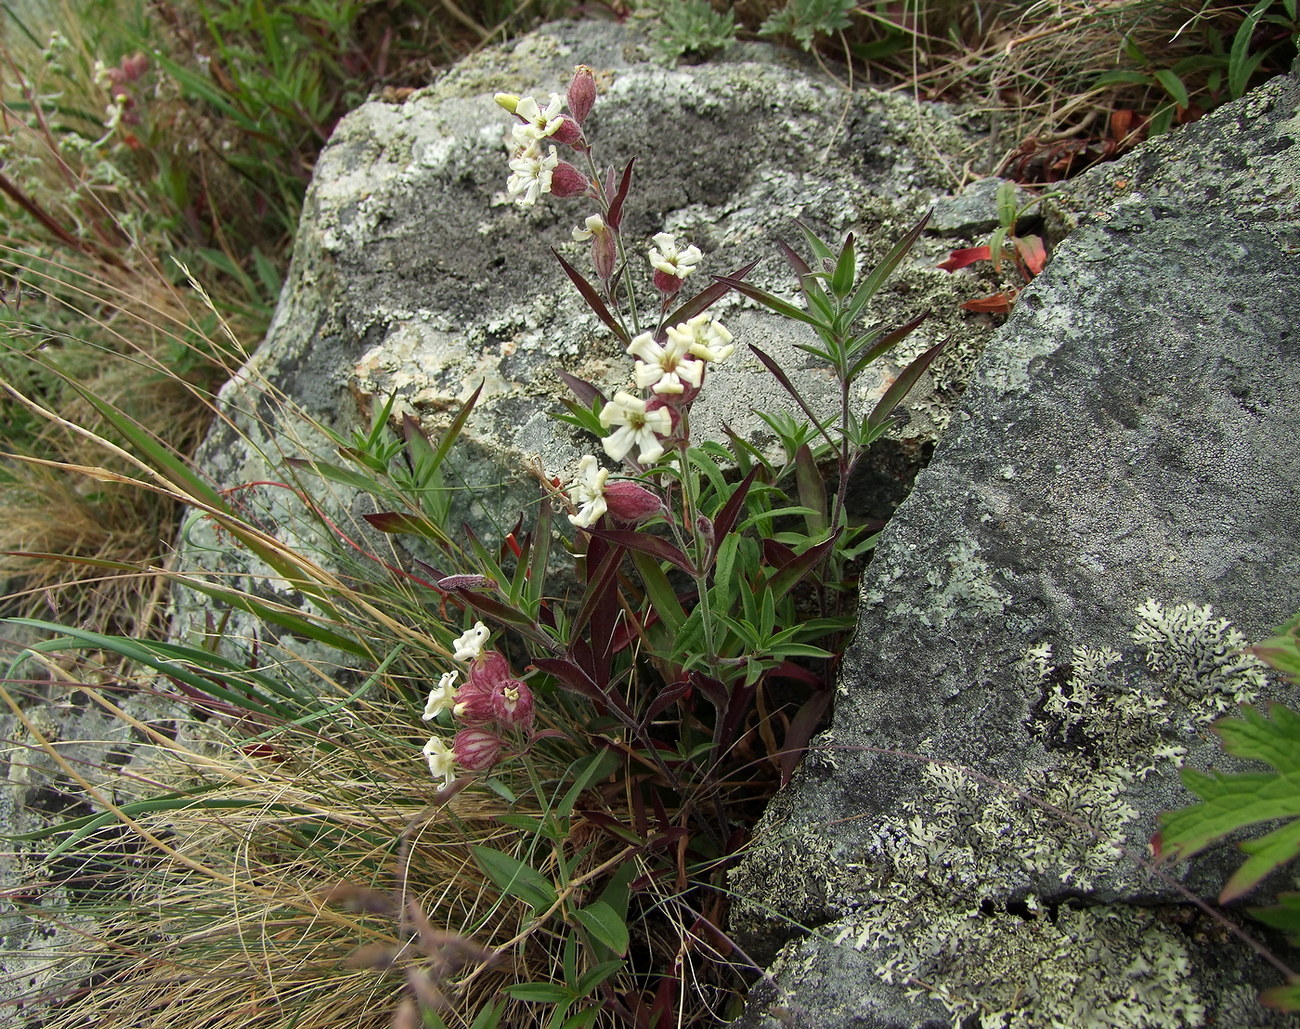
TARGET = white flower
x,y
639,427
441,698
663,367
470,645
588,492
442,760
667,258
595,226
538,123
703,338
531,174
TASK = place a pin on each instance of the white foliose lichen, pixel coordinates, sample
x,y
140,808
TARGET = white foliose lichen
x,y
950,909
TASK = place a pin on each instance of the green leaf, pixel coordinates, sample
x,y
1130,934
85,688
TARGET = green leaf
x,y
540,993
1284,915
605,925
1241,63
1282,998
596,975
1122,78
515,878
1283,650
845,269
1174,86
1231,802
883,270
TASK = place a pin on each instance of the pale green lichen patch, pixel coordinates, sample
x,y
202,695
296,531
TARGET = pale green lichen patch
x,y
950,899
1081,968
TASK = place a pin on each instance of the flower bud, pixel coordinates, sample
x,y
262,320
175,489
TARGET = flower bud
x,y
507,101
477,749
582,93
629,502
568,181
451,583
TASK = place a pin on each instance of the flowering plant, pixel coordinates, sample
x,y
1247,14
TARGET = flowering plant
x,y
690,657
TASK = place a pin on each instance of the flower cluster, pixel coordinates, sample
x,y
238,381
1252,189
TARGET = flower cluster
x,y
535,164
491,702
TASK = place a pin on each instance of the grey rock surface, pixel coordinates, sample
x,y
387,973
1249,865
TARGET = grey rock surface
x,y
1051,620
414,275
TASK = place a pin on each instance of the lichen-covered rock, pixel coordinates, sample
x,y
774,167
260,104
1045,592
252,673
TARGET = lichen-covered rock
x,y
1050,623
415,276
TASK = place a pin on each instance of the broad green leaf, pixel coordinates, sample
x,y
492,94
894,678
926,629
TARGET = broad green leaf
x,y
596,975
515,878
1232,802
604,924
1174,86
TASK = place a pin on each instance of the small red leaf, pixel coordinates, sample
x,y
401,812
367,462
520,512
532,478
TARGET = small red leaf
x,y
994,303
961,258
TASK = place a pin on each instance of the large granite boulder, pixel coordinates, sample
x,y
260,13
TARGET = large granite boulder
x,y
1051,621
415,276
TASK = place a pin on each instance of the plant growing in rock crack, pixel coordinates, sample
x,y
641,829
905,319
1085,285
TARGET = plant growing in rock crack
x,y
598,750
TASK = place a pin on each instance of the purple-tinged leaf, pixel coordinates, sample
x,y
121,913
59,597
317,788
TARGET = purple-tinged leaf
x,y
586,393
886,343
802,727
779,374
777,554
615,216
592,297
797,264
706,297
725,520
770,301
902,386
739,704
812,490
668,696
792,572
646,544
600,588
497,611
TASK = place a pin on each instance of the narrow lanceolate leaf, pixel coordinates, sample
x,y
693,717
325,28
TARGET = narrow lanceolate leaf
x,y
615,215
770,301
708,296
845,268
515,878
884,344
655,546
592,298
901,387
883,270
779,374
457,424
586,393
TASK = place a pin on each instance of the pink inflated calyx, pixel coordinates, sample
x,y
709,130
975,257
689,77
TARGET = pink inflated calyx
x,y
628,502
568,181
492,695
477,749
